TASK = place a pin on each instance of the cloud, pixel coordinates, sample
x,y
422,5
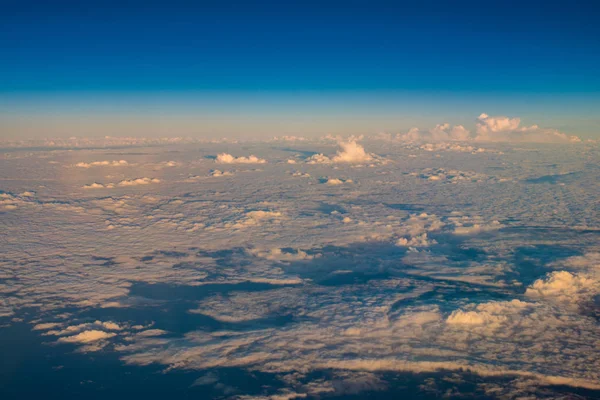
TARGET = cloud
x,y
350,152
138,181
570,288
97,185
87,337
417,241
493,315
116,163
277,254
468,225
441,146
487,129
564,286
452,175
301,174
216,172
441,133
258,217
123,183
335,181
506,129
225,158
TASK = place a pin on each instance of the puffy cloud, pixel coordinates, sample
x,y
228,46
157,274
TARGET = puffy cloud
x,y
468,225
277,254
138,181
70,330
571,288
336,181
453,147
225,158
11,201
503,129
417,241
97,185
564,286
87,337
216,172
301,174
45,326
116,163
487,124
350,152
123,183
453,176
253,218
441,133
493,315
488,128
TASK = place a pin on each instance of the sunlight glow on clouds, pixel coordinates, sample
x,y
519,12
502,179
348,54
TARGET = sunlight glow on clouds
x,y
225,158
392,271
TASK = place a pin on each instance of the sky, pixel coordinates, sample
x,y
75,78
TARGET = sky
x,y
264,68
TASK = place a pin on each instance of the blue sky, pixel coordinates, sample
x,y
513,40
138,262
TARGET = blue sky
x,y
352,66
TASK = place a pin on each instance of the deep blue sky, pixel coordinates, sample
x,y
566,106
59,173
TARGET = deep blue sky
x,y
96,52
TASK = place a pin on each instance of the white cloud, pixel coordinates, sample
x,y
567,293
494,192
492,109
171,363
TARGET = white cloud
x,y
492,315
441,146
225,158
350,152
417,241
216,172
138,181
115,163
468,225
564,286
87,337
277,254
452,175
336,181
97,185
258,217
301,174
505,129
441,133
123,183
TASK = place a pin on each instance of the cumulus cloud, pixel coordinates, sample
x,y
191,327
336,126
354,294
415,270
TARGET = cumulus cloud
x,y
277,254
573,288
493,315
335,181
452,175
225,158
138,181
564,286
301,174
441,133
106,163
216,172
123,183
417,241
97,185
352,300
463,148
488,129
506,129
258,217
468,225
350,152
87,337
